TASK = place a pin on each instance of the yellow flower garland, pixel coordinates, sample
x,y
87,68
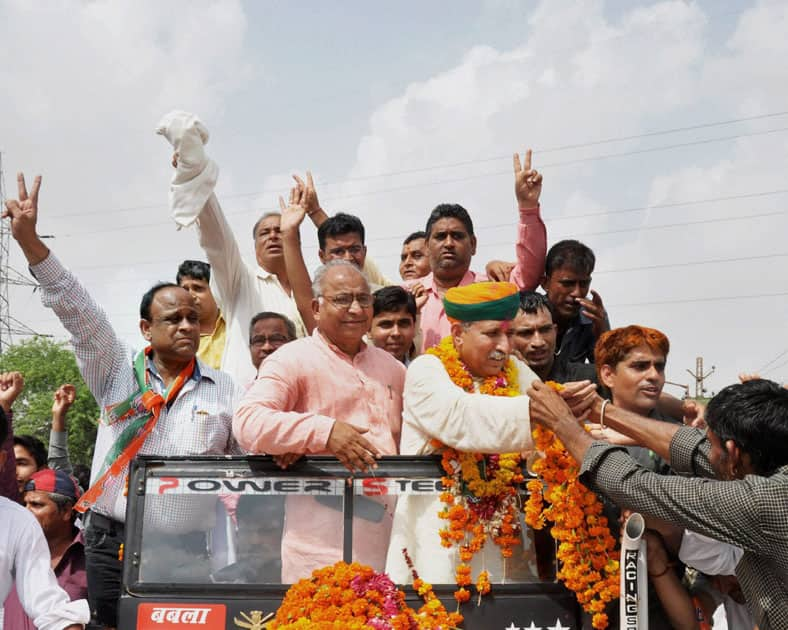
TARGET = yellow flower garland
x,y
585,545
490,480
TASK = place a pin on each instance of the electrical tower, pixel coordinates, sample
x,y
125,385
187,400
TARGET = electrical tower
x,y
8,276
699,377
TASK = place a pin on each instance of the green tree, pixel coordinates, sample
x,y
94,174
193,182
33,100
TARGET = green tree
x,y
46,365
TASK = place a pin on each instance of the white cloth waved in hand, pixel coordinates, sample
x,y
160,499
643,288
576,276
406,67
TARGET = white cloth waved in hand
x,y
196,174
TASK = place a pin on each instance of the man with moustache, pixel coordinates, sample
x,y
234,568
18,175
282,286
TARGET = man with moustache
x,y
195,277
241,290
436,407
451,243
268,331
161,401
567,280
414,261
327,394
534,335
50,496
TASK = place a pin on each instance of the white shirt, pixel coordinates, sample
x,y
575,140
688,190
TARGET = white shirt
x,y
707,555
434,407
241,290
713,557
25,560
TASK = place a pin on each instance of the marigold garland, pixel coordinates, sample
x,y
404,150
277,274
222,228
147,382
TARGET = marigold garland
x,y
355,597
480,500
585,545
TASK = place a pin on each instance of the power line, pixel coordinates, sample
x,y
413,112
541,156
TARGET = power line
x,y
706,299
776,367
646,228
656,206
694,263
768,363
491,159
507,243
508,172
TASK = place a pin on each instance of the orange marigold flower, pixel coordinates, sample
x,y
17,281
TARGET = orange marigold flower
x,y
462,595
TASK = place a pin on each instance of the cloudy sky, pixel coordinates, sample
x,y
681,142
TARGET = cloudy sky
x,y
661,129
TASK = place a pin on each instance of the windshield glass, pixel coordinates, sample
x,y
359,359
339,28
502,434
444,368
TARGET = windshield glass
x,y
219,523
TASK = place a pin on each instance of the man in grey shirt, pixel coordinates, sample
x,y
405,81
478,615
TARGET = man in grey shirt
x,y
744,499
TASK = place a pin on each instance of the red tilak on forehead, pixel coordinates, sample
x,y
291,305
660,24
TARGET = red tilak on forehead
x,y
506,324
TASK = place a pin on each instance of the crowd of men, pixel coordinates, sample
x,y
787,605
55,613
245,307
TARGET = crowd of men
x,y
273,359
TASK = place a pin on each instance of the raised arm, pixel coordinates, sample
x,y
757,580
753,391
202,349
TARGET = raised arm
x,y
192,199
58,458
531,246
98,350
229,274
309,200
701,505
549,409
293,215
11,385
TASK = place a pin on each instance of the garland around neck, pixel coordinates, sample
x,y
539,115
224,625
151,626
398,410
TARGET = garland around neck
x,y
480,498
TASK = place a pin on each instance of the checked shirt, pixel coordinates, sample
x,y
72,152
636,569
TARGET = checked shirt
x,y
751,513
197,422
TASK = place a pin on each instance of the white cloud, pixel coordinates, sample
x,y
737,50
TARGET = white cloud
x,y
89,82
85,84
580,75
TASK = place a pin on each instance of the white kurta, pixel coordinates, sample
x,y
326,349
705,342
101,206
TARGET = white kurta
x,y
435,408
241,290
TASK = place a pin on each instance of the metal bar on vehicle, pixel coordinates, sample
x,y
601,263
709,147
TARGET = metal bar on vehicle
x,y
347,535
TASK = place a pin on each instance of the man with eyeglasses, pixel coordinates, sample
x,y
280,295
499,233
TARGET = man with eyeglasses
x,y
268,331
161,401
328,394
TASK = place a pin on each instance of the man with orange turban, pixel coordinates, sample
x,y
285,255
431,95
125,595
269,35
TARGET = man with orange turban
x,y
466,393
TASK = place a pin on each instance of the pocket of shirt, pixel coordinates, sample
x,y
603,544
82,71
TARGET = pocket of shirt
x,y
204,416
208,431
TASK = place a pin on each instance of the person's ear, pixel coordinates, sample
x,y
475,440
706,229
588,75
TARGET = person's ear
x,y
145,329
456,333
321,255
316,309
606,375
3,456
735,459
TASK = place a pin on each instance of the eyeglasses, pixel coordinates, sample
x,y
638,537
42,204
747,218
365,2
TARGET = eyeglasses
x,y
345,300
274,340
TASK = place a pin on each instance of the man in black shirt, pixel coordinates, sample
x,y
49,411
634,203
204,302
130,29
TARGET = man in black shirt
x,y
534,341
568,268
